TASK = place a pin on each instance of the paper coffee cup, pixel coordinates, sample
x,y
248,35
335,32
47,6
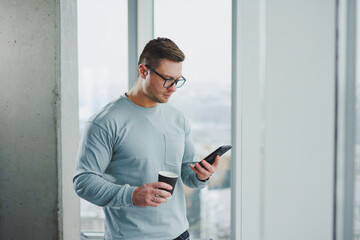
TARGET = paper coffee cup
x,y
169,178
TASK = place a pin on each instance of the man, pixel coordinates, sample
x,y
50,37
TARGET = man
x,y
129,141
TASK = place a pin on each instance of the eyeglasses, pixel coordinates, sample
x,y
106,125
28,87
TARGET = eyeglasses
x,y
168,81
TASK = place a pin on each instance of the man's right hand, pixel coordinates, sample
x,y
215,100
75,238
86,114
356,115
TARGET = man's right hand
x,y
150,195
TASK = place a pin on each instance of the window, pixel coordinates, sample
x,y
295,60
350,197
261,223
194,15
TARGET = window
x,y
103,71
202,29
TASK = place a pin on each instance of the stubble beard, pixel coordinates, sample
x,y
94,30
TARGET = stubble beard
x,y
156,99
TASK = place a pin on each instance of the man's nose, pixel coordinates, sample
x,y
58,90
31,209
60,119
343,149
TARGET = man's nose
x,y
172,88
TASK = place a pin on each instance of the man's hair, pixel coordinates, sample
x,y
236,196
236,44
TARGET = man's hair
x,y
159,49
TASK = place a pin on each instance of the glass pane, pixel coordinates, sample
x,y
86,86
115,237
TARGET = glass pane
x,y
103,71
204,34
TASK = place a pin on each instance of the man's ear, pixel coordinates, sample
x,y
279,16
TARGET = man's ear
x,y
142,71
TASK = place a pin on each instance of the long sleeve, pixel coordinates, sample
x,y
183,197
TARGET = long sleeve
x,y
93,158
101,192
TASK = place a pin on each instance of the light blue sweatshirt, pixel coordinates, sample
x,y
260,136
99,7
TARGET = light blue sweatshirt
x,y
125,146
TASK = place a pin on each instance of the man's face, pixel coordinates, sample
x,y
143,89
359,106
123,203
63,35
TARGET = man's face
x,y
153,86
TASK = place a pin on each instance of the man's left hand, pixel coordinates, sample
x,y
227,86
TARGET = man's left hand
x,y
204,173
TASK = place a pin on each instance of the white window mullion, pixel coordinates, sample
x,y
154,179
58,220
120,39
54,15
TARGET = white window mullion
x,y
236,122
141,30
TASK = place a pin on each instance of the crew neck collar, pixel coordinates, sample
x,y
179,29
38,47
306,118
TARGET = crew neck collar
x,y
140,107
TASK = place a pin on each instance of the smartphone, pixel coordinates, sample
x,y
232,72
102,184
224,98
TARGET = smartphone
x,y
220,151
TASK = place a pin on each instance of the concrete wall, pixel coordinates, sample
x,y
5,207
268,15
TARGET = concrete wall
x,y
30,120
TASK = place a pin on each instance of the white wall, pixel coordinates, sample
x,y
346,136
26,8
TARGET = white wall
x,y
300,120
288,119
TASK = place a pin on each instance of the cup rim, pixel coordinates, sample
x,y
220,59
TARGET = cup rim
x,y
168,174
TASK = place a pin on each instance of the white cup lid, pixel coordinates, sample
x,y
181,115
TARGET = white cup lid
x,y
168,174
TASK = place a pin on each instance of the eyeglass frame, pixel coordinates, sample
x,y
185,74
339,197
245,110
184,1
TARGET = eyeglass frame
x,y
167,79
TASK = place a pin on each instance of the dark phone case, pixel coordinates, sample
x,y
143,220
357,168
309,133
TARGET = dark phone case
x,y
220,151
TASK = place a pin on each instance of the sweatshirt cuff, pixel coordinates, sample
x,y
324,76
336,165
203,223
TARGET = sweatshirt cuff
x,y
201,183
127,197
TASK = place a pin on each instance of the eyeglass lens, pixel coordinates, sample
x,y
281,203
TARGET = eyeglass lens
x,y
178,83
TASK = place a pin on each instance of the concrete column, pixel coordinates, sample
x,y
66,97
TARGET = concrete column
x,y
31,123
